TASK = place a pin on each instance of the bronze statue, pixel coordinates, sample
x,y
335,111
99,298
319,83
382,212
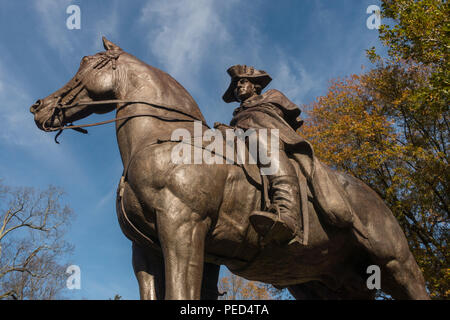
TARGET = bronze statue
x,y
270,110
185,220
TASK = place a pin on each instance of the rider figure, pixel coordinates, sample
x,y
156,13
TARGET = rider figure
x,y
282,222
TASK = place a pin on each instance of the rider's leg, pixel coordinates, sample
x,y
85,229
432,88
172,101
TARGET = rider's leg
x,y
283,222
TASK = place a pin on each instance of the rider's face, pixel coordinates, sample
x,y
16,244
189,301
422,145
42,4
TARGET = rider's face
x,y
244,89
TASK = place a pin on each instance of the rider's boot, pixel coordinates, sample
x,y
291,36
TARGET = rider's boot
x,y
282,223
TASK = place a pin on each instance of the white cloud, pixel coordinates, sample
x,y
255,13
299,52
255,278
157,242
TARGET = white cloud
x,y
106,25
107,198
186,36
184,32
17,122
293,80
52,16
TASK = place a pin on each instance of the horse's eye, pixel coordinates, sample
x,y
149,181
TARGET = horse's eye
x,y
85,59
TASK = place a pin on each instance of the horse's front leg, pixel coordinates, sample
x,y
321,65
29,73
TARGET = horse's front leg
x,y
148,267
182,235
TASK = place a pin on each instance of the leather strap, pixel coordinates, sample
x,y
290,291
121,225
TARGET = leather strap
x,y
78,128
102,102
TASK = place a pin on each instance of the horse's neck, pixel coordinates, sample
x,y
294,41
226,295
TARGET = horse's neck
x,y
137,132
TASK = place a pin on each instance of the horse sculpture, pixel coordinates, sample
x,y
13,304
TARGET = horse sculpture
x,y
185,220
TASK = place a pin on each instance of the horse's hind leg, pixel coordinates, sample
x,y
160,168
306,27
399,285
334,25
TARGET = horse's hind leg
x,y
403,279
388,248
400,274
149,270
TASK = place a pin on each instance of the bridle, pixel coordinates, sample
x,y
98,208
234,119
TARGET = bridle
x,y
76,85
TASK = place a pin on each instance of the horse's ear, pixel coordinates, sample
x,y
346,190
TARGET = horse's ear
x,y
108,45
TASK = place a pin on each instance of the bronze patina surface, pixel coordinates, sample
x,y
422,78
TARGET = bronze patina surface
x,y
185,220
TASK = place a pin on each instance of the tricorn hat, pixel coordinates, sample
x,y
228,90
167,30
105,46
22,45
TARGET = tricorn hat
x,y
237,72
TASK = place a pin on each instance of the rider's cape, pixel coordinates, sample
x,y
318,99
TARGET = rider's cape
x,y
270,110
273,110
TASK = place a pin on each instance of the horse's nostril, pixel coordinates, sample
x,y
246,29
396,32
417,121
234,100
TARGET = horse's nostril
x,y
35,106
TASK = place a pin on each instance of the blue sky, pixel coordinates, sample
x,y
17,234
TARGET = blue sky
x,y
301,44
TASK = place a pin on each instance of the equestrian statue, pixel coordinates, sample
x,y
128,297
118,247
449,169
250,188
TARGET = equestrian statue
x,y
304,227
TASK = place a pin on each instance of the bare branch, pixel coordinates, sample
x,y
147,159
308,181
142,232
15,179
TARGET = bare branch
x,y
10,293
32,243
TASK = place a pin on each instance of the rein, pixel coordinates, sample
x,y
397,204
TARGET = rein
x,y
83,103
78,128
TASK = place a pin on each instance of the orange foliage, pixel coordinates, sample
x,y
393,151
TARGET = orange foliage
x,y
379,128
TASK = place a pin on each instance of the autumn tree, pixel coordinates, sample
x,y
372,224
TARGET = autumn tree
x,y
420,31
389,127
32,246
